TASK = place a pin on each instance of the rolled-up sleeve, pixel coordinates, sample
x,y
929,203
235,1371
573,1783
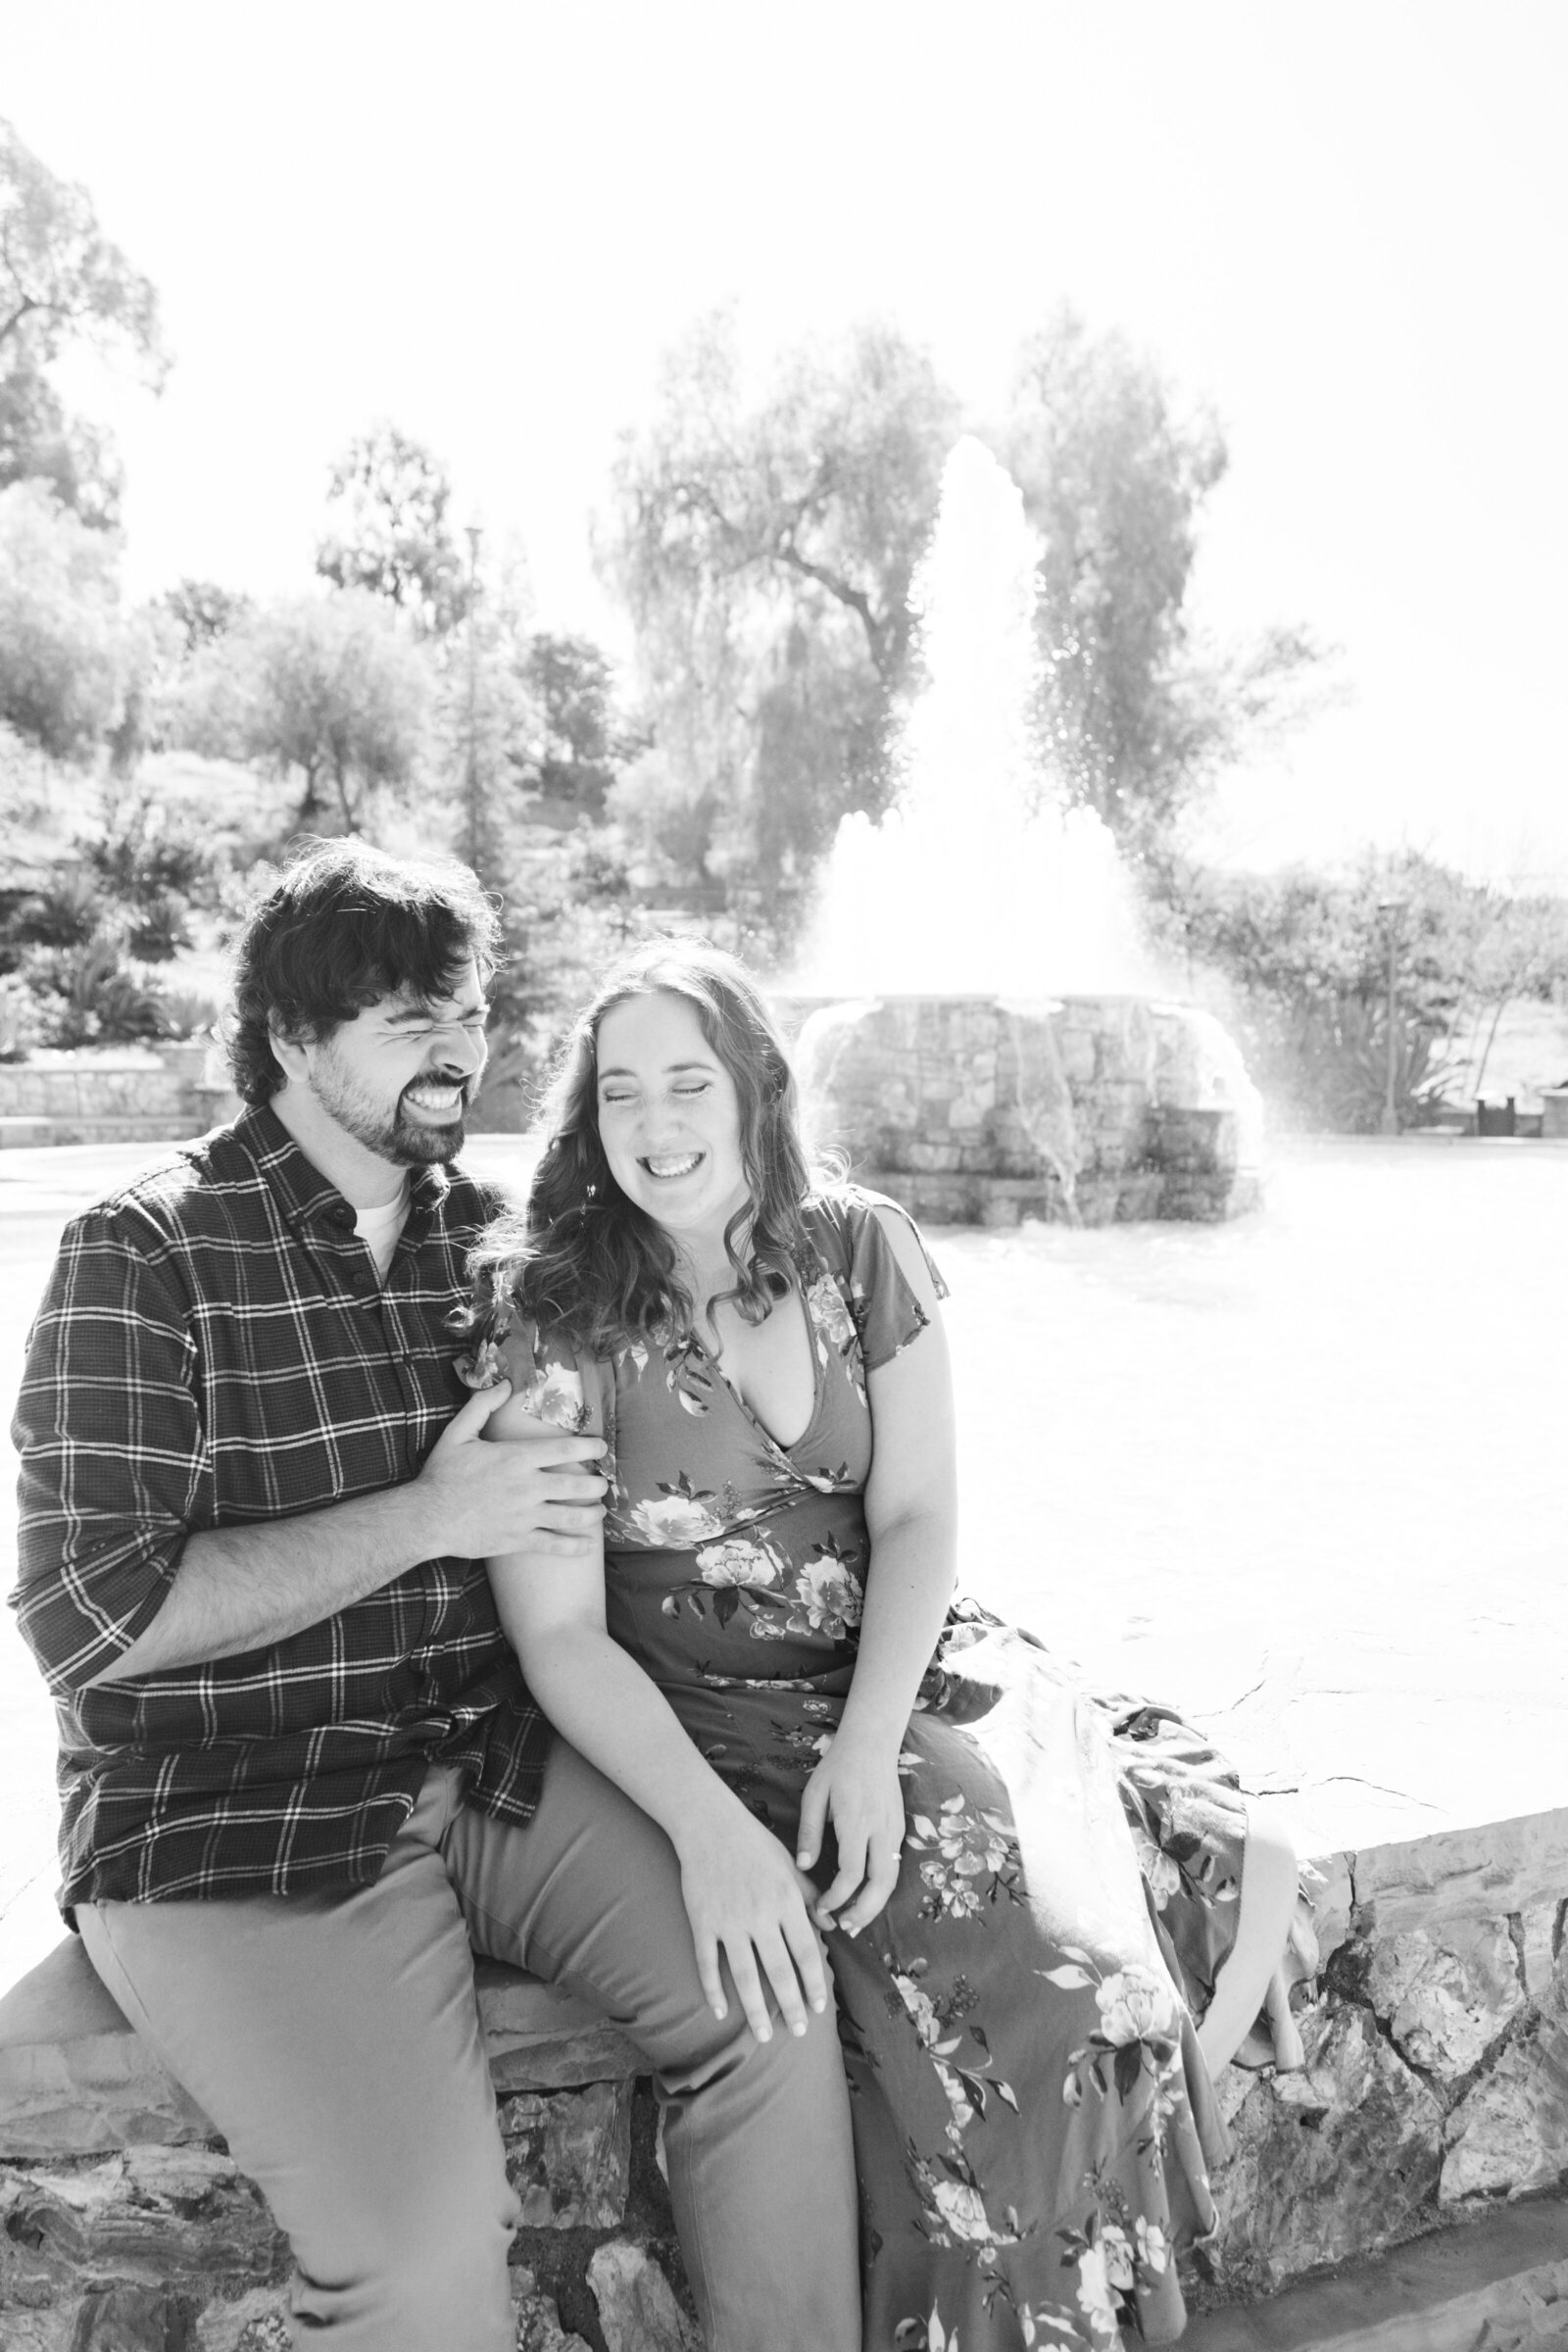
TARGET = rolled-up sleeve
x,y
109,1428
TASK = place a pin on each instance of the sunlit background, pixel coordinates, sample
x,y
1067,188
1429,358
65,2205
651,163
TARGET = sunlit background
x,y
1338,225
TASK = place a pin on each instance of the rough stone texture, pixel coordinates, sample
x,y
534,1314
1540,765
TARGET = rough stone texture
x,y
1437,2083
74,2079
1510,2131
539,2328
1328,2163
131,1096
637,2307
568,2155
1446,2002
975,1110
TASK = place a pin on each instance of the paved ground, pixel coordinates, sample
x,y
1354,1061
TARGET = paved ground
x,y
1302,1474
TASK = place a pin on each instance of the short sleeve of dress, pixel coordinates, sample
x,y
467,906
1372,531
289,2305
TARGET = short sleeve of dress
x,y
887,1313
551,1378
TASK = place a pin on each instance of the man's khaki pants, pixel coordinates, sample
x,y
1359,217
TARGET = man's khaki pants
x,y
334,2041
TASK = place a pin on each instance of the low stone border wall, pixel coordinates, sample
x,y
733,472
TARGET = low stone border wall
x,y
141,1094
1436,2086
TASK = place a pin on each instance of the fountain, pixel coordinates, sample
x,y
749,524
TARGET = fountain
x,y
982,1029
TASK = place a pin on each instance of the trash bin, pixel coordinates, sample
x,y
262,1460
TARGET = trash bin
x,y
1554,1112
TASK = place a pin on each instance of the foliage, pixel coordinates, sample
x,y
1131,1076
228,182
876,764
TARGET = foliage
x,y
765,552
389,533
1305,959
40,442
62,282
582,741
1135,715
74,947
60,638
203,611
328,686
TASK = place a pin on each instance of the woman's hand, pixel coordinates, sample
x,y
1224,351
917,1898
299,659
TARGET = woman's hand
x,y
744,1897
856,1788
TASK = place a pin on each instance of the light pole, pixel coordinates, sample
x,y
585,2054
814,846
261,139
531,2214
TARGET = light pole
x,y
1389,911
471,796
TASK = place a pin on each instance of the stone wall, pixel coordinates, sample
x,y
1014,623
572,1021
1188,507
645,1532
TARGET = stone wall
x,y
1437,2048
1436,2085
972,1110
139,1093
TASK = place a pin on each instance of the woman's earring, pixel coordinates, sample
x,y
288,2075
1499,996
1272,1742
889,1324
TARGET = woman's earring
x,y
593,1191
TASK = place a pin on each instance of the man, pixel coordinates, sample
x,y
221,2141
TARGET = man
x,y
301,1773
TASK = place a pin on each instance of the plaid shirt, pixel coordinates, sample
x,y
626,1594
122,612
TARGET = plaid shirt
x,y
214,1350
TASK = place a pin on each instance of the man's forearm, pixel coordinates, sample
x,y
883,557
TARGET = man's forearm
x,y
238,1588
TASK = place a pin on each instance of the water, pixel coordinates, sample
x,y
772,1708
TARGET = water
x,y
980,878
1300,1473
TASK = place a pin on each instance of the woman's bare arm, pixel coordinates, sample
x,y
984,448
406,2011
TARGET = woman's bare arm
x,y
743,1897
911,1520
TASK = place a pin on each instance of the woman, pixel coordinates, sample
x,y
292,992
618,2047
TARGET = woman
x,y
769,1661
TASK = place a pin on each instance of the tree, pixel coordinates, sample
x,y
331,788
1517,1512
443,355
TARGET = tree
x,y
1304,957
62,282
389,498
572,682
203,611
1135,713
330,686
60,639
765,552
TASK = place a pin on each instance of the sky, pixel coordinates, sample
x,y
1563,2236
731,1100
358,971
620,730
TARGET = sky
x,y
1338,225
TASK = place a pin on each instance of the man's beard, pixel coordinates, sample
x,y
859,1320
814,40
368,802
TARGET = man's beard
x,y
404,1138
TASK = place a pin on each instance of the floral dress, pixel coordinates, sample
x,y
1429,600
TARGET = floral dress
x,y
1032,2120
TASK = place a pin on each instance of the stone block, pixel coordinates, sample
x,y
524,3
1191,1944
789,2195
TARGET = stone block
x,y
1487,1872
1330,2163
539,2328
1333,1900
1446,1992
1510,2131
541,2037
134,2319
74,2079
637,2307
257,2323
568,2155
147,2215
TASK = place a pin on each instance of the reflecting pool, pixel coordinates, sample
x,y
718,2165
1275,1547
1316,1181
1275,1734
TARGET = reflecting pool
x,y
1303,1473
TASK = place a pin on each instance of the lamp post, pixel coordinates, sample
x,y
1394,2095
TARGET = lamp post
x,y
1389,911
472,793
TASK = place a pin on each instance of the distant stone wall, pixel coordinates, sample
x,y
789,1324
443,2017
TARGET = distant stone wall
x,y
1437,2083
134,1096
972,1110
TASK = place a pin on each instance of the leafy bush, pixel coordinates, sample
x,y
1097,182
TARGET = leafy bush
x,y
1303,961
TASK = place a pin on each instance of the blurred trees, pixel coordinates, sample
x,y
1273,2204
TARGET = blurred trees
x,y
328,687
1136,716
61,637
388,533
765,550
62,282
1304,957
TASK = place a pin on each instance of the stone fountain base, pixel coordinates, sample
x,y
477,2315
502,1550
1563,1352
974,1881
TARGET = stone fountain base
x,y
979,1109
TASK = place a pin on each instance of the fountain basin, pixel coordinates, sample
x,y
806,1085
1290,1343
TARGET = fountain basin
x,y
984,1109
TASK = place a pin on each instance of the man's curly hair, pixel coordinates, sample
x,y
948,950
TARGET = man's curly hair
x,y
341,927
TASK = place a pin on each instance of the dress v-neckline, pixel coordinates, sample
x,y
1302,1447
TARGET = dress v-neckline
x,y
753,1416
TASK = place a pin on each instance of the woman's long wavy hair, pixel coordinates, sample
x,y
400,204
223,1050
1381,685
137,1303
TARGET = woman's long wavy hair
x,y
580,1258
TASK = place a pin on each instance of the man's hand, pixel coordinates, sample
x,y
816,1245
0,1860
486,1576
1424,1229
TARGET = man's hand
x,y
744,1897
531,1494
856,1788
